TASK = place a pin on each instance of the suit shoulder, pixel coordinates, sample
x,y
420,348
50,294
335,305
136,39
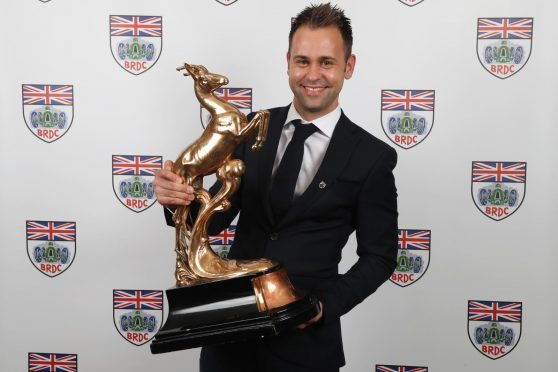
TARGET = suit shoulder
x,y
369,141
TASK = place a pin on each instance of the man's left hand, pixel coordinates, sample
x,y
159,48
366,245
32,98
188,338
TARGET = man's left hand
x,y
313,320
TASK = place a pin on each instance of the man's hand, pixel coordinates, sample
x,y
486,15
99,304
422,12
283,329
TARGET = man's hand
x,y
171,190
313,320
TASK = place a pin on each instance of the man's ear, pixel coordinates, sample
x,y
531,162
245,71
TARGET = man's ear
x,y
288,61
350,66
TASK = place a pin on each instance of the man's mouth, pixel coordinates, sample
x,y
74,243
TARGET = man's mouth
x,y
313,90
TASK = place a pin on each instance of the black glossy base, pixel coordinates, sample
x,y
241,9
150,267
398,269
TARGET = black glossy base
x,y
224,311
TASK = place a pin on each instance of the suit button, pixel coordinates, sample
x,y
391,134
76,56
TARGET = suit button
x,y
273,236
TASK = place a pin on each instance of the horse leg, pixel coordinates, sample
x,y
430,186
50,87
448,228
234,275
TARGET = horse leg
x,y
260,120
203,261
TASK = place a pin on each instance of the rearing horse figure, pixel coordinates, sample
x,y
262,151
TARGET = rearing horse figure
x,y
212,153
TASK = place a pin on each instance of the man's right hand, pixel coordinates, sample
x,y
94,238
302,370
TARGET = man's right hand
x,y
171,190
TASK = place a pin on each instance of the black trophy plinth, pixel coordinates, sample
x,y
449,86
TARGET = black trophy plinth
x,y
225,311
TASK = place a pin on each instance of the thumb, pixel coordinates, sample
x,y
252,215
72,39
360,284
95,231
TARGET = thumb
x,y
168,165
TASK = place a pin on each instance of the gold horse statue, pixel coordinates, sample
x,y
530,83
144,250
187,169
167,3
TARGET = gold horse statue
x,y
212,153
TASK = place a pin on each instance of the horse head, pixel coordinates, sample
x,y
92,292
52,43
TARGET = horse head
x,y
204,79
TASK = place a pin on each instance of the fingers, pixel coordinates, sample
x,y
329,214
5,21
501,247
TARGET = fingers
x,y
313,320
170,189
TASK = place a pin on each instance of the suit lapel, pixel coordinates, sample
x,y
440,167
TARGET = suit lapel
x,y
267,157
341,146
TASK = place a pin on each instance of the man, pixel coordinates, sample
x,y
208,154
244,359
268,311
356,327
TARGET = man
x,y
343,184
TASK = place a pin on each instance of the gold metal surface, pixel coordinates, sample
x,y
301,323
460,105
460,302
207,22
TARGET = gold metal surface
x,y
212,153
274,290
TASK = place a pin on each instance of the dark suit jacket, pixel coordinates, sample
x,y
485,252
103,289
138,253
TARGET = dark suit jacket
x,y
359,194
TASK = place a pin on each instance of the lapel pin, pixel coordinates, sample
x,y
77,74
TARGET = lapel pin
x,y
322,185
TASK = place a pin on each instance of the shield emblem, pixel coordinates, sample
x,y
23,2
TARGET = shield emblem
x,y
494,326
407,116
411,2
504,44
49,362
221,244
136,41
132,180
241,98
413,256
226,2
51,245
137,314
498,188
48,110
399,368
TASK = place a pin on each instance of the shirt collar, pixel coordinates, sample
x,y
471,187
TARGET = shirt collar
x,y
326,124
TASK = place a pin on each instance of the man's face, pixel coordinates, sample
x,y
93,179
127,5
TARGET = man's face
x,y
317,70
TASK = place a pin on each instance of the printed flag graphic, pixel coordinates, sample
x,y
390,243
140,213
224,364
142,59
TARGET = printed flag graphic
x,y
137,314
494,326
504,44
132,180
407,116
48,110
51,245
136,41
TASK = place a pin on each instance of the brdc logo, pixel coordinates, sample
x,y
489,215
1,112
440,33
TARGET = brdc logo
x,y
137,314
48,110
399,368
51,245
52,362
132,180
504,44
221,243
413,256
407,116
240,98
136,41
498,188
411,2
494,326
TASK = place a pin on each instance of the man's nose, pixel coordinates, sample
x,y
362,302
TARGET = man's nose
x,y
314,71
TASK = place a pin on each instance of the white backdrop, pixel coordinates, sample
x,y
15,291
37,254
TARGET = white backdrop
x,y
430,46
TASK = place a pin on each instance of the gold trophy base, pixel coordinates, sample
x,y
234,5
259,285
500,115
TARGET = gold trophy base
x,y
232,310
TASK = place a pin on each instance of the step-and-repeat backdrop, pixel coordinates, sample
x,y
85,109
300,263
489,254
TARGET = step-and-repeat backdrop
x,y
91,106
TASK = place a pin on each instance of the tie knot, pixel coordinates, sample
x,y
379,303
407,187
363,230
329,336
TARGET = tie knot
x,y
303,131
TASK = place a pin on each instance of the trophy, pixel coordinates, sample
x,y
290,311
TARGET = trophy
x,y
218,300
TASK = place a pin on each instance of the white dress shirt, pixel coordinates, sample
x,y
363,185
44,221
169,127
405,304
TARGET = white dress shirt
x,y
314,148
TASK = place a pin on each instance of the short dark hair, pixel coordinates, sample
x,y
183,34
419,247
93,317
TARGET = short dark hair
x,y
324,15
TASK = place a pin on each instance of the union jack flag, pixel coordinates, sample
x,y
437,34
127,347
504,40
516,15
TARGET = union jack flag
x,y
414,239
138,299
44,362
136,164
51,230
495,311
491,171
241,98
226,237
386,368
505,28
41,94
407,100
121,25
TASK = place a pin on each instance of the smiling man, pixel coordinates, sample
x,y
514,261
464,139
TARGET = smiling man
x,y
318,179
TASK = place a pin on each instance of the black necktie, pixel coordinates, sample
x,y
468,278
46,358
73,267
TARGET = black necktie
x,y
284,182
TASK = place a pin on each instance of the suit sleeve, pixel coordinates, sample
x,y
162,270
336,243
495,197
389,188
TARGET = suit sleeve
x,y
376,233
